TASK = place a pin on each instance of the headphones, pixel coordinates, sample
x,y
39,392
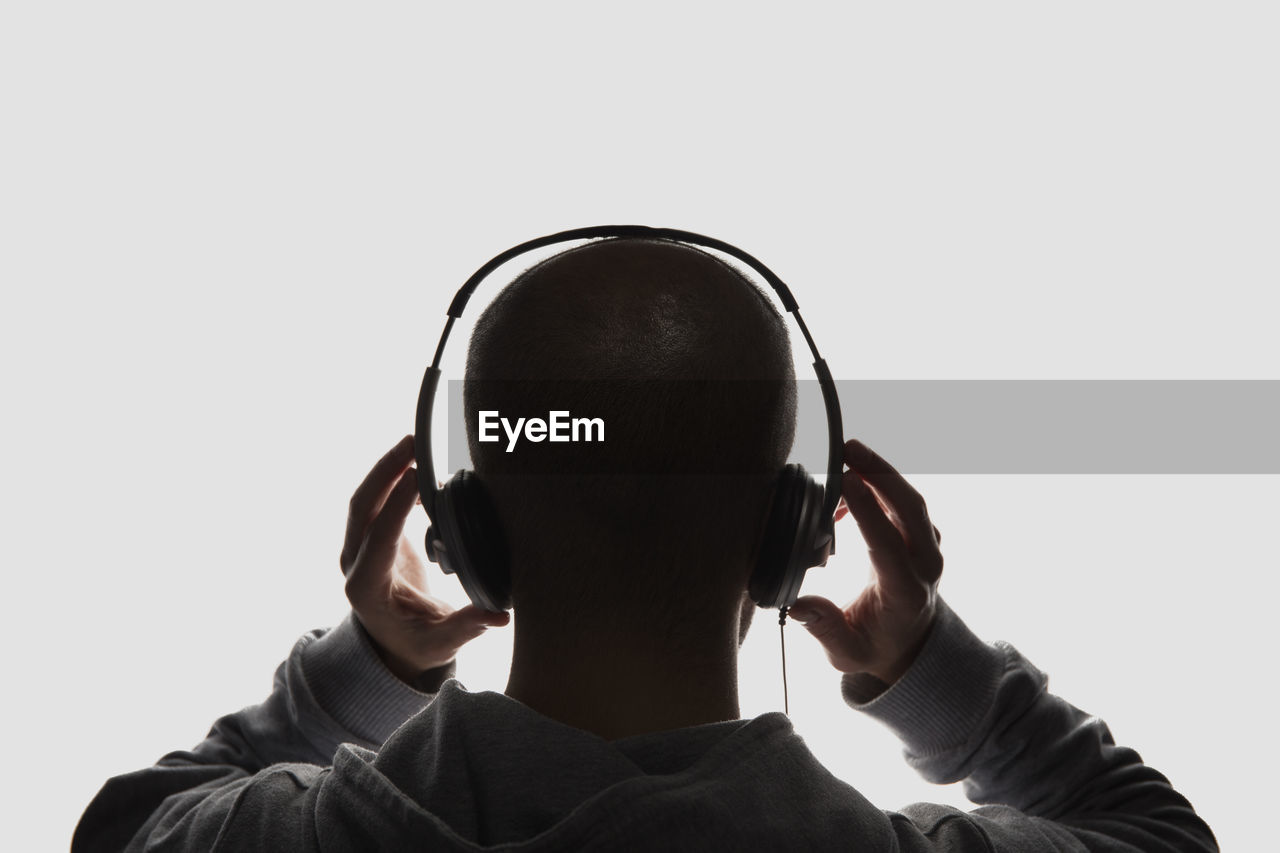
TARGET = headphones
x,y
466,539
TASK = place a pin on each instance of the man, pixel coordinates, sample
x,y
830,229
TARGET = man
x,y
619,728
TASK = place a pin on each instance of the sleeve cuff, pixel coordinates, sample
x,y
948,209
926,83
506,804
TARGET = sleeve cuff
x,y
351,684
940,701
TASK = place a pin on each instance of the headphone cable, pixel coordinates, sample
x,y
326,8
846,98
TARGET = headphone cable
x,y
782,620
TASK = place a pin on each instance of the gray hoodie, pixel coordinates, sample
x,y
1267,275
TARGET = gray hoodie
x,y
344,756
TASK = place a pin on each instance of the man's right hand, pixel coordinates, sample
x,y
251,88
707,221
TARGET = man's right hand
x,y
884,628
413,631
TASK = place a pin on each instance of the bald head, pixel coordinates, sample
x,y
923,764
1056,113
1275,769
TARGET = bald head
x,y
689,367
633,309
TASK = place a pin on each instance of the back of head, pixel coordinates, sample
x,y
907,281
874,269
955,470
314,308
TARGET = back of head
x,y
688,366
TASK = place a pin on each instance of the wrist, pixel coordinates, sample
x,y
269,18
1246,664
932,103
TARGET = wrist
x,y
890,673
941,701
353,686
422,680
399,667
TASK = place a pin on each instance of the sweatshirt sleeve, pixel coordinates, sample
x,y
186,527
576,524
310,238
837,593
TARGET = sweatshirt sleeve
x,y
1050,777
332,689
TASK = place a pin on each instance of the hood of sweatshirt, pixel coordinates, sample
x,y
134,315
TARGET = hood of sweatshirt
x,y
481,771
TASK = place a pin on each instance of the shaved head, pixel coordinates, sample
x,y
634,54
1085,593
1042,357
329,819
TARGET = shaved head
x,y
688,364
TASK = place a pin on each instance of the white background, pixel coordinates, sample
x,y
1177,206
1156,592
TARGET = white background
x,y
230,233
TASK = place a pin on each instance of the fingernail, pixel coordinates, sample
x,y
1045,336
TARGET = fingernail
x,y
803,616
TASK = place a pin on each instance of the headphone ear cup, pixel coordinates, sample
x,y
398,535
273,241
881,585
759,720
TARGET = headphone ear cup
x,y
786,546
473,545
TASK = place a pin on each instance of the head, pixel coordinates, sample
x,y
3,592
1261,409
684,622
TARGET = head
x,y
652,533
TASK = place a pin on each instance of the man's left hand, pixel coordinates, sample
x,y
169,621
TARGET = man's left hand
x,y
413,631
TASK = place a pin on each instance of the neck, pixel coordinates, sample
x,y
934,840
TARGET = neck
x,y
619,687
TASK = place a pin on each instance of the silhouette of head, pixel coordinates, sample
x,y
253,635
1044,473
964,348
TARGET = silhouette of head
x,y
688,364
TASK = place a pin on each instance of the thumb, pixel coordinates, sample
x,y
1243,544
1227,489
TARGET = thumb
x,y
814,610
824,620
488,618
468,622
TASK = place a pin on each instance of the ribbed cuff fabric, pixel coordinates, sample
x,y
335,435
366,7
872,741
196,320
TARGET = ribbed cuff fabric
x,y
939,702
352,685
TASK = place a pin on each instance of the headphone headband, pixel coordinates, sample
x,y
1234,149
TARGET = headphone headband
x,y
427,487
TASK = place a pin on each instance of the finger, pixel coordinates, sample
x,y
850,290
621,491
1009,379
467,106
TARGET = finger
x,y
887,508
371,494
891,556
466,623
845,647
378,549
902,498
879,473
877,529
480,616
810,609
842,509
